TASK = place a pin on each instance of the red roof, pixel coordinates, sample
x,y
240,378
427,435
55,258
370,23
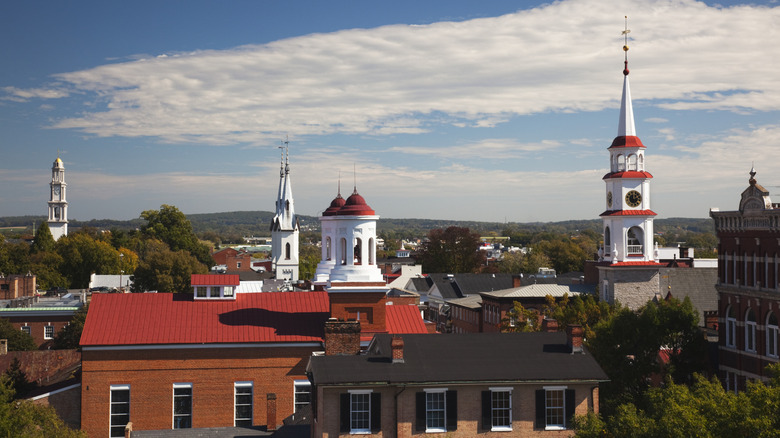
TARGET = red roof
x,y
335,205
355,206
404,318
166,318
629,213
627,141
628,174
637,264
214,280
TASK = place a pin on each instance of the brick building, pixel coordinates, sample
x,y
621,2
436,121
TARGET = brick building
x,y
748,286
17,286
233,260
498,384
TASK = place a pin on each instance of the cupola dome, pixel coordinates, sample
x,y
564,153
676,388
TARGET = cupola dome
x,y
356,206
335,206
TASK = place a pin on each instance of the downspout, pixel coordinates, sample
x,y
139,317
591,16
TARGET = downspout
x,y
403,388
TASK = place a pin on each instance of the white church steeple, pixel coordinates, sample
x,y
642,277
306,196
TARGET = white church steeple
x,y
284,227
628,219
58,205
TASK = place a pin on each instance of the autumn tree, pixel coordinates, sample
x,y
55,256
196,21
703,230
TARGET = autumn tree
x,y
520,319
82,255
452,250
584,310
511,262
171,226
164,270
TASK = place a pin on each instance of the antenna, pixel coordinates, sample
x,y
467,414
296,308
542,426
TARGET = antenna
x,y
339,184
625,33
354,175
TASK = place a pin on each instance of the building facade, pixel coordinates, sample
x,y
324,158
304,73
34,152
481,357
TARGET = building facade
x,y
58,205
748,286
285,227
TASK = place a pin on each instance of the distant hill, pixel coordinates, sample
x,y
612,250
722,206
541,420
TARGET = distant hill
x,y
244,223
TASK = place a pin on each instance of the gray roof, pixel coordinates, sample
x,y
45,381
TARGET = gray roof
x,y
470,301
421,284
451,358
696,283
542,290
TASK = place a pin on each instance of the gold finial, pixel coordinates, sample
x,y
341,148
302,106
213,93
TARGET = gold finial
x,y
625,33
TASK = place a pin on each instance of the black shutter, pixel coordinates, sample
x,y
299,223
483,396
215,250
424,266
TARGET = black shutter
x,y
541,422
452,410
420,410
570,405
487,417
376,412
344,413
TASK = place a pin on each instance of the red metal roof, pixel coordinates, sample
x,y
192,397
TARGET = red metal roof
x,y
628,174
166,318
636,264
356,206
629,213
214,280
627,141
404,318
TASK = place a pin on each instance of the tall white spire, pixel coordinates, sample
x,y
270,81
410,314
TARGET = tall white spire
x,y
626,125
284,228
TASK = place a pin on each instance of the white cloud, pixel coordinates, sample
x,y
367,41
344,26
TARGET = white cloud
x,y
23,95
402,78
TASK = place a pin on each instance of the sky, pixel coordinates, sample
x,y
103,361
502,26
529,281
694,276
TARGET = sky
x,y
496,111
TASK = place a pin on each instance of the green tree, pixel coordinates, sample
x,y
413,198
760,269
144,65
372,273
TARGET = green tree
x,y
308,258
585,310
565,255
17,339
452,250
171,226
535,260
18,378
164,270
511,262
520,319
14,257
627,344
82,256
46,266
44,242
24,419
69,336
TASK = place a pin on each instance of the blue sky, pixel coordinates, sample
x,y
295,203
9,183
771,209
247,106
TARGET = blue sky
x,y
463,110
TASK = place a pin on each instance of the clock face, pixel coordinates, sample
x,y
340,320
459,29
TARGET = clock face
x,y
57,190
633,198
609,199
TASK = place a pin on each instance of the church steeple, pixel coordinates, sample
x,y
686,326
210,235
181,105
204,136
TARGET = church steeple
x,y
284,228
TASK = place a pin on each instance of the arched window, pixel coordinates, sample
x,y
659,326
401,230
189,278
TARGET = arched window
x,y
771,335
371,251
607,241
731,328
744,269
327,248
750,331
634,240
358,256
632,162
621,163
287,251
343,251
641,163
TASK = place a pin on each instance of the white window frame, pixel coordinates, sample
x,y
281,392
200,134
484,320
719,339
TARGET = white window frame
x,y
750,332
201,291
440,392
494,409
111,415
354,397
236,386
27,329
731,329
301,387
228,291
771,336
48,332
548,408
173,408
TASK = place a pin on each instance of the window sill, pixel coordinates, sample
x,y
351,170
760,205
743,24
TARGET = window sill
x,y
501,429
554,428
437,430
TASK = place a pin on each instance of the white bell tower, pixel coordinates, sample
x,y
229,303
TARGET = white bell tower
x,y
628,219
284,228
58,206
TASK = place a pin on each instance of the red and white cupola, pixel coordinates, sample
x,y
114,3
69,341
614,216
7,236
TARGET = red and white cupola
x,y
628,219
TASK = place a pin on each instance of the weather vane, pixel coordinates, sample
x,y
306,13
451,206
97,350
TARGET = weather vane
x,y
625,33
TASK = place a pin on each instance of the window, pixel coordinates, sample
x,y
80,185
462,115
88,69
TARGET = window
x,y
497,409
607,241
287,251
731,328
437,410
48,332
771,335
327,248
227,291
182,405
750,331
27,329
200,291
554,407
302,394
361,411
120,409
634,243
243,406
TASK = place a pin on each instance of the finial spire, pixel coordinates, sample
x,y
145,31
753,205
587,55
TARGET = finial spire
x,y
354,176
752,179
281,159
625,33
286,154
339,194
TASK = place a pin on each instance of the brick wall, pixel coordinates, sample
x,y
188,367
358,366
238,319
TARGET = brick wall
x,y
67,404
15,286
371,305
469,411
37,324
42,366
212,373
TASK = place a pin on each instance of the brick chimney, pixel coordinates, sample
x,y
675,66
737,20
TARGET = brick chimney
x,y
397,344
342,337
517,280
549,325
574,334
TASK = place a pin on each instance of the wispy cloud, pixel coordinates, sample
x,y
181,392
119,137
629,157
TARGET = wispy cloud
x,y
403,78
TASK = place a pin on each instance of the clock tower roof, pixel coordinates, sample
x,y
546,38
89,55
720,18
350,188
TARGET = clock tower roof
x,y
626,135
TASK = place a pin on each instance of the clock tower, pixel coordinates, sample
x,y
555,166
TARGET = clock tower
x,y
58,206
628,219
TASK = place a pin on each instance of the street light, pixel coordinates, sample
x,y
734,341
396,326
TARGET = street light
x,y
121,271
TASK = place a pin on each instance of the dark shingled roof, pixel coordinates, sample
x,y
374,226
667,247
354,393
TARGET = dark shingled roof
x,y
473,357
